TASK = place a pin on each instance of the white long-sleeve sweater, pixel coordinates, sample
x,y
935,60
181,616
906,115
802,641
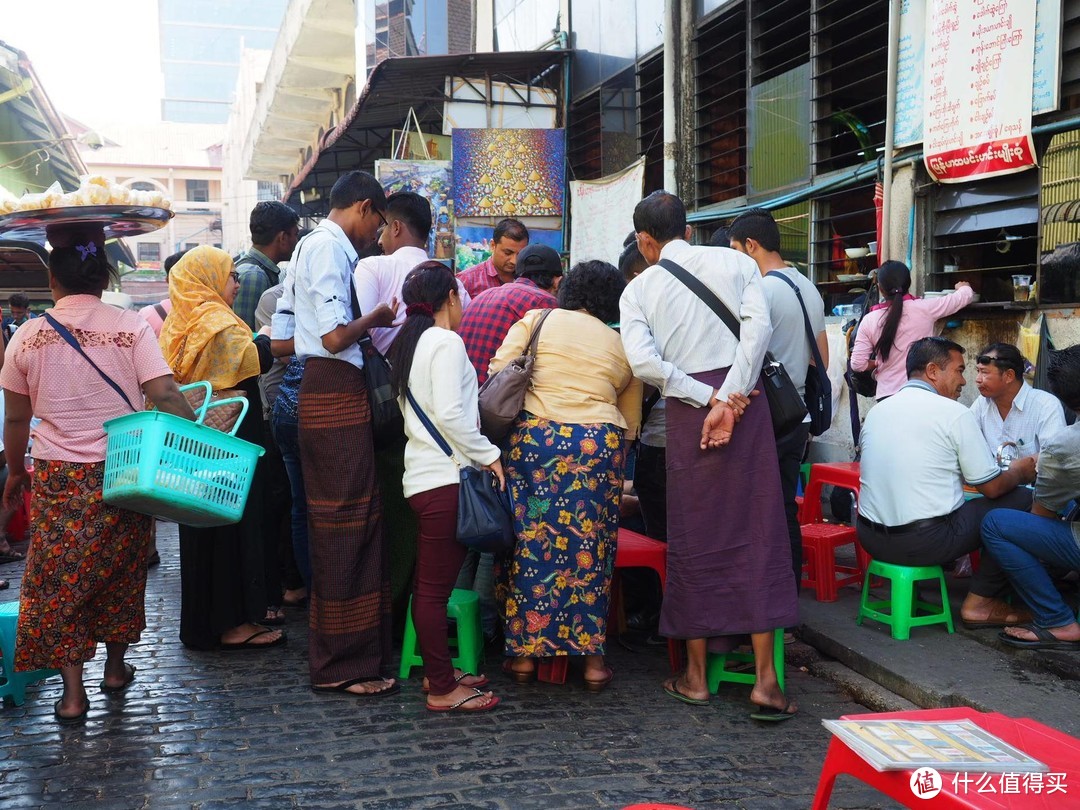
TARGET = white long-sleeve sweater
x,y
443,382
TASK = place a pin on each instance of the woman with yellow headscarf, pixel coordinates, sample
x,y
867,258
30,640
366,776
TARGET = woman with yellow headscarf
x,y
223,576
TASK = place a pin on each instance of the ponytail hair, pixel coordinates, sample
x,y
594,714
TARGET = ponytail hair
x,y
426,290
894,281
81,269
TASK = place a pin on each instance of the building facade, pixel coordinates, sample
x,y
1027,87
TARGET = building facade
x,y
201,46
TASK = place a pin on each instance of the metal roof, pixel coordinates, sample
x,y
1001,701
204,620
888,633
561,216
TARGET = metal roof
x,y
32,113
399,84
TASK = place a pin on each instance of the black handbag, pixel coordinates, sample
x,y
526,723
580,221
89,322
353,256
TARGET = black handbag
x,y
785,405
818,394
387,423
485,515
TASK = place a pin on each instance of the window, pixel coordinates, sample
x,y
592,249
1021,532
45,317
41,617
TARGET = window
x,y
585,144
142,185
198,190
650,115
1059,253
190,245
842,220
1070,55
268,191
984,232
850,61
602,129
148,252
720,87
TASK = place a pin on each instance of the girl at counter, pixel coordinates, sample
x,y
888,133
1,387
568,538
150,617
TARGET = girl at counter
x,y
888,330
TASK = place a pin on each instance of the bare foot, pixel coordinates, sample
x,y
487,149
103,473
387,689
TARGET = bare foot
x,y
462,693
463,678
363,687
772,698
251,634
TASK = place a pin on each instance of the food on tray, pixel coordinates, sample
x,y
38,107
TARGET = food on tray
x,y
94,189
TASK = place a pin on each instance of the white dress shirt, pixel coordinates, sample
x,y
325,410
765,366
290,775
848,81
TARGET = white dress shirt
x,y
918,449
316,299
669,333
1034,413
379,280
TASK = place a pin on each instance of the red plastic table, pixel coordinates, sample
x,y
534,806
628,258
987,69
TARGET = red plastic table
x,y
1058,750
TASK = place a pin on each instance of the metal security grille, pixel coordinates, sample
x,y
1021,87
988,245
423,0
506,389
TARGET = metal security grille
x,y
650,113
849,81
720,107
779,35
585,150
1070,55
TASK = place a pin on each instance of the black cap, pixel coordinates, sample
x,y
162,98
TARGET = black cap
x,y
538,259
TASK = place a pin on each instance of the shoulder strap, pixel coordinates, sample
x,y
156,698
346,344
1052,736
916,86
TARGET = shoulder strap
x,y
806,318
71,341
439,440
531,348
161,311
698,288
364,341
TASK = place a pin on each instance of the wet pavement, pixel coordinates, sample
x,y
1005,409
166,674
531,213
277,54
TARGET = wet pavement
x,y
243,729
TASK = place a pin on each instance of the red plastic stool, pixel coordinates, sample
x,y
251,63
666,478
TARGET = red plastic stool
x,y
634,550
820,539
552,669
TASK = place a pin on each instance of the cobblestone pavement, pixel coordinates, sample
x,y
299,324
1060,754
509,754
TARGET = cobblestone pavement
x,y
210,730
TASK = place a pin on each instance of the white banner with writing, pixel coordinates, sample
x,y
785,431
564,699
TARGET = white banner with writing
x,y
602,213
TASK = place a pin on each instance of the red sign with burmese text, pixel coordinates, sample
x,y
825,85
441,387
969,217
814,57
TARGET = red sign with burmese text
x,y
977,112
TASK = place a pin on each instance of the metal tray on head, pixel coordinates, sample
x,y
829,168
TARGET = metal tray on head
x,y
117,220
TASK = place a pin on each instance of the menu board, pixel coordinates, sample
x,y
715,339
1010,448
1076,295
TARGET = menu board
x,y
911,50
977,88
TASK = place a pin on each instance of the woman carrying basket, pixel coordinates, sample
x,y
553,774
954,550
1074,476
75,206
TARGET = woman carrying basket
x,y
222,589
85,578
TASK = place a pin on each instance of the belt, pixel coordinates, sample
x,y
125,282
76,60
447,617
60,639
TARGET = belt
x,y
914,526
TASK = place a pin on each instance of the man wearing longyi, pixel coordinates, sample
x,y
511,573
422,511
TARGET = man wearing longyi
x,y
918,448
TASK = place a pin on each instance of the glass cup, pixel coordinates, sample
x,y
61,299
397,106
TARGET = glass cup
x,y
873,248
1021,288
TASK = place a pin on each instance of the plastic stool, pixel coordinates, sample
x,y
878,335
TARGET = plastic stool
x,y
716,672
903,602
552,669
468,638
14,683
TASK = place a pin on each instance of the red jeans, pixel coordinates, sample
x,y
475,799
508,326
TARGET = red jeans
x,y
438,560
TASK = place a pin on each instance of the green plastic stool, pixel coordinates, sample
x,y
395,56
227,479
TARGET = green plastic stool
x,y
903,602
467,639
12,683
716,670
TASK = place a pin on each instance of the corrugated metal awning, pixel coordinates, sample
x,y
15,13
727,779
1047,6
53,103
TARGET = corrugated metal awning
x,y
1062,212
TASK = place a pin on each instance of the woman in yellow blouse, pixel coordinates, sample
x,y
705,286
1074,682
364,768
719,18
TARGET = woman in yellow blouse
x,y
564,460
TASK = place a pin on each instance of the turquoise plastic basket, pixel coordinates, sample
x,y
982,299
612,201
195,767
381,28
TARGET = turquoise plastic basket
x,y
179,470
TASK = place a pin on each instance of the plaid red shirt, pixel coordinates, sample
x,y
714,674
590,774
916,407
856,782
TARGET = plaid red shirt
x,y
479,278
490,315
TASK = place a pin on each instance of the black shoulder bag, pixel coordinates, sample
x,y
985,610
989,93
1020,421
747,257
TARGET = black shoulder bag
x,y
785,405
388,427
485,514
818,396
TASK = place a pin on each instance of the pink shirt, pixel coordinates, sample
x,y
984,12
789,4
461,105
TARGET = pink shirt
x,y
153,317
69,397
916,322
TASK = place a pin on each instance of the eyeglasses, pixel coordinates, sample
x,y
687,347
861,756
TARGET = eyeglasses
x,y
381,217
234,277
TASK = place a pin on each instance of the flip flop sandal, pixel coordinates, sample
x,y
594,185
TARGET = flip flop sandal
x,y
771,714
674,692
66,720
480,683
343,688
273,621
460,705
129,676
1045,640
600,684
519,676
11,556
248,644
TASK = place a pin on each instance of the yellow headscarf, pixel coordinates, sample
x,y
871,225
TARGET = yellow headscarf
x,y
203,339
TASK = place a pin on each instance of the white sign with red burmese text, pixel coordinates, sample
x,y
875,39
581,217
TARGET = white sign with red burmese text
x,y
978,82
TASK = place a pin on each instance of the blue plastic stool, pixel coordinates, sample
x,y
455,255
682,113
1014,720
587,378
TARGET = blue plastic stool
x,y
13,684
717,673
467,638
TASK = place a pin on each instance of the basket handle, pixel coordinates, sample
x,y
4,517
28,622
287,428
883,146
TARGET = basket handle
x,y
200,412
243,411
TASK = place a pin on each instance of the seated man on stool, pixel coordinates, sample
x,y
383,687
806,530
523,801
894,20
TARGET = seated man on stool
x,y
918,448
1022,542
